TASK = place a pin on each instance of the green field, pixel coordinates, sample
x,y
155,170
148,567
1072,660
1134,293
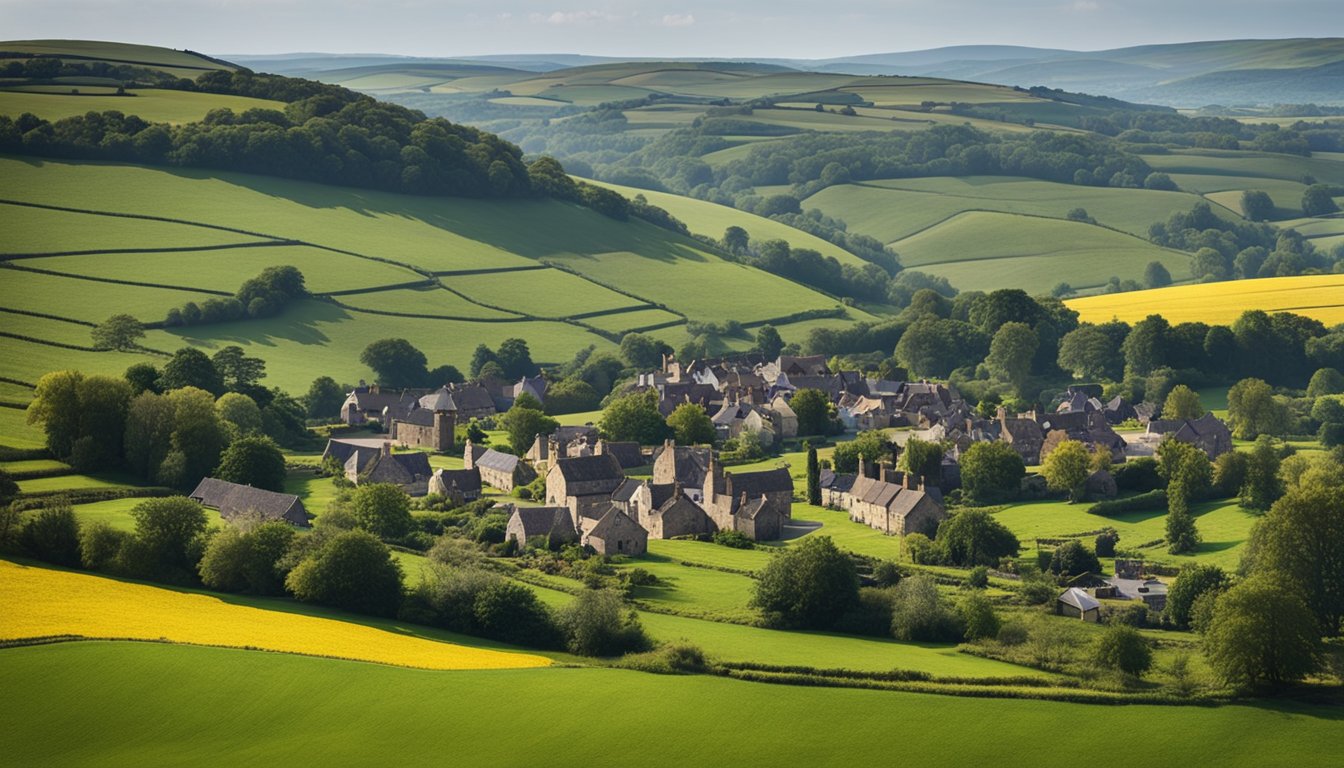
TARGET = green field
x,y
105,692
153,105
433,301
984,251
39,230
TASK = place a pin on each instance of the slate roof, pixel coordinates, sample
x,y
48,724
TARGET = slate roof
x,y
496,460
543,521
756,483
589,468
463,480
627,454
340,450
234,500
420,417
625,492
399,468
612,522
472,397
1079,599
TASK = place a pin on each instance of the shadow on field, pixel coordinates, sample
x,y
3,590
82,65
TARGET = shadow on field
x,y
298,324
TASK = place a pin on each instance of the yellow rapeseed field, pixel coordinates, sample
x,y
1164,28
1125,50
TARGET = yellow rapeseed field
x,y
40,602
1317,296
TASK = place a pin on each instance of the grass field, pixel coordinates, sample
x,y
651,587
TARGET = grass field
x,y
1317,296
984,251
45,602
39,230
433,301
89,300
154,105
360,714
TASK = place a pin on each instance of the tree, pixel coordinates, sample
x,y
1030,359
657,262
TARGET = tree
x,y
924,459
935,347
974,537
515,359
1256,205
254,460
83,417
1147,346
52,535
352,571
239,372
1261,486
1182,535
143,377
991,471
691,425
240,412
1087,352
1325,381
168,528
871,445
324,398
1253,411
769,342
383,509
1067,468
736,240
807,586
482,356
599,623
919,614
198,439
396,363
189,367
1155,275
1122,648
1300,543
642,352
635,417
1011,352
1318,200
571,395
522,425
1073,558
813,476
1182,403
119,332
1262,634
813,409
1194,580
55,406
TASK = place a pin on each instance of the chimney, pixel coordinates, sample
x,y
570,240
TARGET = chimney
x,y
911,482
882,473
552,447
863,468
676,489
386,449
467,461
728,484
374,389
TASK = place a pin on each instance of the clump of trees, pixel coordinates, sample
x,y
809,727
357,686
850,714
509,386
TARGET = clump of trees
x,y
265,295
397,363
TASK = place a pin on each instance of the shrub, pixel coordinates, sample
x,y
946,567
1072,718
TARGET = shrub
x,y
1122,648
973,537
977,615
978,578
886,573
810,585
671,659
1144,502
918,612
168,530
246,558
733,539
1139,474
353,571
1013,633
1106,541
922,550
512,613
1193,581
1132,615
1037,588
599,623
100,545
1072,559
383,509
870,615
53,536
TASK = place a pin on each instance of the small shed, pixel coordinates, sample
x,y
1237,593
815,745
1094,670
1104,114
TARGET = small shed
x,y
1076,603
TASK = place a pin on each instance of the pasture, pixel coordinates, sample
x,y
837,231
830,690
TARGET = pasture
x,y
1317,296
46,602
984,251
106,693
153,104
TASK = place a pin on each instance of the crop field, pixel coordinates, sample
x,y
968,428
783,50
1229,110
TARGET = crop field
x,y
1317,296
342,240
706,218
152,104
116,52
1263,165
894,209
45,602
105,693
984,251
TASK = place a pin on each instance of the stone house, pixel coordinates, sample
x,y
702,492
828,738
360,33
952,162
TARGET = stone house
x,y
783,417
498,469
368,402
552,523
1024,434
410,471
425,428
637,498
234,501
564,442
1208,433
677,516
726,495
894,503
584,484
616,534
687,465
460,485
758,519
535,386
1076,603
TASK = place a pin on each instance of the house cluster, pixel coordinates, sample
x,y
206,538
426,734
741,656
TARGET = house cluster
x,y
893,502
1082,598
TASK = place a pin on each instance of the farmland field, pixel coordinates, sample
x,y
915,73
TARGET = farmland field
x,y
92,606
1317,296
154,105
104,692
984,251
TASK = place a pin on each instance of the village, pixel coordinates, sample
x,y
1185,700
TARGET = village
x,y
612,497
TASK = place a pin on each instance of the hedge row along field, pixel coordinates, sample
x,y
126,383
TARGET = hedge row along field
x,y
1317,296
43,602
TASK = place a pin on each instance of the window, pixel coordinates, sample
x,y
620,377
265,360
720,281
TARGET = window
x,y
620,546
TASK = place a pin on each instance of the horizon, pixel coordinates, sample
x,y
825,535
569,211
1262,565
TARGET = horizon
x,y
736,29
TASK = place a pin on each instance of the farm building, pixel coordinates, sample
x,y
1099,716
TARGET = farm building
x,y
584,484
894,502
616,534
498,470
410,471
1076,603
676,516
688,466
1208,433
460,485
553,523
424,428
234,501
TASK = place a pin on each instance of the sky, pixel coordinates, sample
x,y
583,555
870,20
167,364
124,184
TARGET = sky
x,y
648,28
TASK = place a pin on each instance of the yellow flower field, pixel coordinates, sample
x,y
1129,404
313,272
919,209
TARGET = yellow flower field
x,y
1317,296
41,602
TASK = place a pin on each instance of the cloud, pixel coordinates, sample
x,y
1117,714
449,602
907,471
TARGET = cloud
x,y
677,20
571,18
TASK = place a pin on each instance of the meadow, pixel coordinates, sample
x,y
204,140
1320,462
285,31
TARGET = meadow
x,y
352,713
152,104
1317,296
46,602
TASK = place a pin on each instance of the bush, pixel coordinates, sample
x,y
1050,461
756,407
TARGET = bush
x,y
1133,615
100,546
1140,474
1122,648
810,585
978,578
352,571
383,509
1151,501
1072,559
167,532
974,537
733,539
871,615
886,573
247,558
922,550
512,613
53,536
599,623
1013,633
1037,588
1106,541
918,612
977,615
672,659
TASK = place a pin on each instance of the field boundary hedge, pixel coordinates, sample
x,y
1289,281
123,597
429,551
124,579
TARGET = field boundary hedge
x,y
115,251
1145,502
44,316
114,281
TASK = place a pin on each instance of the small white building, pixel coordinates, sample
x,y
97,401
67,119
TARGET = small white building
x,y
1076,603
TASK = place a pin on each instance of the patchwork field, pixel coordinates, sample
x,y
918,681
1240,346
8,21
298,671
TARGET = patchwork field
x,y
105,693
1317,296
343,240
44,602
984,251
